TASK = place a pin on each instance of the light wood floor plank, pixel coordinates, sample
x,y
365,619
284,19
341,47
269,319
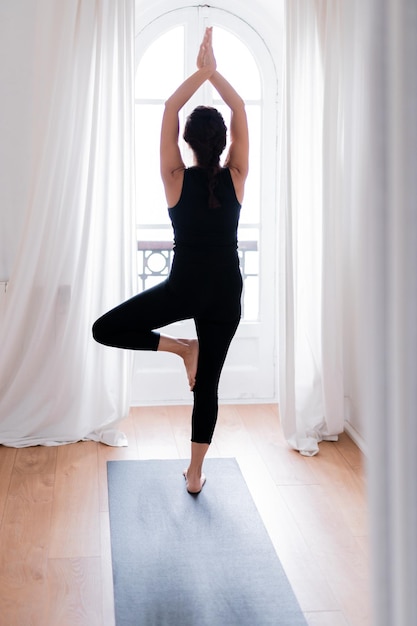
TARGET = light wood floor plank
x,y
36,460
110,453
24,536
7,457
75,528
74,597
154,436
302,568
350,451
329,466
287,467
334,546
106,572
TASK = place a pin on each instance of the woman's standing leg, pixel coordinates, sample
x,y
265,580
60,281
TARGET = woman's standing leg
x,y
194,476
214,341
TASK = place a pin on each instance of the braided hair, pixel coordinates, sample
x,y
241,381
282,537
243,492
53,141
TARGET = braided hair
x,y
205,133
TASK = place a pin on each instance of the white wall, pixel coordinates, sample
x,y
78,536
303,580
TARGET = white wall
x,y
353,320
356,227
353,328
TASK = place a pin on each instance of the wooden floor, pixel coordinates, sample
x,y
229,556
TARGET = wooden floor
x,y
55,566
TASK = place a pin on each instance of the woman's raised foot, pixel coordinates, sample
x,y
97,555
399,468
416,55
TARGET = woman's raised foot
x,y
191,361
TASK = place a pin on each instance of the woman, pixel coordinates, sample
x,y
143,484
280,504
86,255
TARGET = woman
x,y
205,282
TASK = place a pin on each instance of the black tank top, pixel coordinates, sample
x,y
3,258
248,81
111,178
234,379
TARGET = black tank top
x,y
196,225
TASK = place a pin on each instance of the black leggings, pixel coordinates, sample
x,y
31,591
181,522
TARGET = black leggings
x,y
208,293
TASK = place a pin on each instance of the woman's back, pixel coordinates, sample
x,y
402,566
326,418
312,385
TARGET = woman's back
x,y
198,226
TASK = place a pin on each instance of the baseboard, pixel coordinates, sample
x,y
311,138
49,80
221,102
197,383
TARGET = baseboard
x,y
356,438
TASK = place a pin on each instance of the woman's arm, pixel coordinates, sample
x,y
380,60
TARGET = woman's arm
x,y
238,154
171,162
170,156
237,159
169,150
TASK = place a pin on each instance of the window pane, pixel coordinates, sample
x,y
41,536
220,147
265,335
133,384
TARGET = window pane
x,y
236,63
251,298
150,196
161,68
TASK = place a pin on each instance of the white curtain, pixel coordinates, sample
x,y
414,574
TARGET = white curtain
x,y
384,99
311,205
72,254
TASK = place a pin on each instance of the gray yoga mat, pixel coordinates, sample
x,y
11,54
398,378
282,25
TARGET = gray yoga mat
x,y
183,560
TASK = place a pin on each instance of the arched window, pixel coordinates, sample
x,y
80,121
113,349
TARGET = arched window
x,y
166,53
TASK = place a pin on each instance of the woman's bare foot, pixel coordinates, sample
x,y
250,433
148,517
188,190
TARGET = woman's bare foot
x,y
194,483
191,361
187,349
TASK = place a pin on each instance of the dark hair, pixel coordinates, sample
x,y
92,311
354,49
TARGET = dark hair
x,y
205,133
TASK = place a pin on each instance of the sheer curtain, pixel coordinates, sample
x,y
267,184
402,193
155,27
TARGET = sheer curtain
x,y
73,257
384,89
310,321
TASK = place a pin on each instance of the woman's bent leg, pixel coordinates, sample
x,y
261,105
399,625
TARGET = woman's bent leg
x,y
131,324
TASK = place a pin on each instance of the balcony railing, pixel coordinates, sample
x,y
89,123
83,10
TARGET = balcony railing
x,y
155,258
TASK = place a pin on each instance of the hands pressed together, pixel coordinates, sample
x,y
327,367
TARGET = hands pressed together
x,y
205,57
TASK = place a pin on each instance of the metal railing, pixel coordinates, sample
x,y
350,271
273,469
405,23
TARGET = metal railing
x,y
155,258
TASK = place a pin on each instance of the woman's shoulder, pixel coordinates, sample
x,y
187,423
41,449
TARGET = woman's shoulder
x,y
237,181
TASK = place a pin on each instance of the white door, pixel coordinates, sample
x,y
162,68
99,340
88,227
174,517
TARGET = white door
x,y
165,52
